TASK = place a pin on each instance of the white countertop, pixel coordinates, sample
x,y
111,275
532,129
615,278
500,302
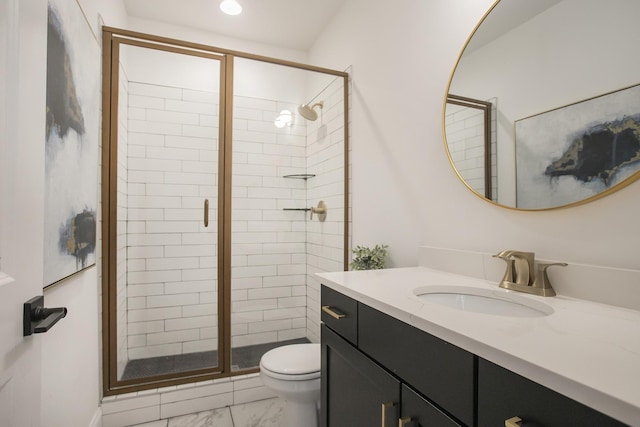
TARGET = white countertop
x,y
587,351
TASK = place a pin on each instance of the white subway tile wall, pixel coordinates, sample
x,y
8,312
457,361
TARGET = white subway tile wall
x,y
268,243
172,268
171,303
168,166
325,159
465,139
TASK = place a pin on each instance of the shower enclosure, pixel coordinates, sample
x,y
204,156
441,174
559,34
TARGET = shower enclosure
x,y
209,176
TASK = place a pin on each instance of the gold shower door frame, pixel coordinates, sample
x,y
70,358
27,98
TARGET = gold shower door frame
x,y
112,38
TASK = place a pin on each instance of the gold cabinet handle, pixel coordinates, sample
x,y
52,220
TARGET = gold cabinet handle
x,y
385,407
327,309
513,422
404,422
206,212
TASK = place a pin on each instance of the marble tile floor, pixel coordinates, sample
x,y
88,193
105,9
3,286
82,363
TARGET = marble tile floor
x,y
263,413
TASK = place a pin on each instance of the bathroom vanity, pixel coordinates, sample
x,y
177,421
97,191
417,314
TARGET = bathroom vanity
x,y
391,358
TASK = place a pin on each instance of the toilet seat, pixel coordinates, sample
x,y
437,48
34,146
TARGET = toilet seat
x,y
296,362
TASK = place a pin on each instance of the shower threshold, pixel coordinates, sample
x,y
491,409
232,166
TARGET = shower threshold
x,y
241,358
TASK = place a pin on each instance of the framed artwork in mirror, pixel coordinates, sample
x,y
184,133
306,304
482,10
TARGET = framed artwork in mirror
x,y
71,142
577,151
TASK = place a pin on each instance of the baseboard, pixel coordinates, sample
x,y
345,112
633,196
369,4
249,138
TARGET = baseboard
x,y
96,421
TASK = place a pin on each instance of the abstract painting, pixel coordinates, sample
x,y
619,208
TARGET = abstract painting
x,y
71,142
577,151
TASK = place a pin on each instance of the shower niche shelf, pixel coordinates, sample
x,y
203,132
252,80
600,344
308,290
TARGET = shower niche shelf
x,y
304,176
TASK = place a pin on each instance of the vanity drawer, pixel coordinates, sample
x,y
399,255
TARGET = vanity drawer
x,y
440,371
340,313
503,394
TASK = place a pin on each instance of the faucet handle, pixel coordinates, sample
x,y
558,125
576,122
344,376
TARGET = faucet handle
x,y
524,265
508,274
542,279
519,266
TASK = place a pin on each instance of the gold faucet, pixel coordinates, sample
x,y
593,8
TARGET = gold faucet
x,y
519,274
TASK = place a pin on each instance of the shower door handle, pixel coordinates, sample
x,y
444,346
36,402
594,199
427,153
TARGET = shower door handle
x,y
206,212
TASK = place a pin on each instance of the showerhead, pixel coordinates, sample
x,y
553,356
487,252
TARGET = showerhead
x,y
308,111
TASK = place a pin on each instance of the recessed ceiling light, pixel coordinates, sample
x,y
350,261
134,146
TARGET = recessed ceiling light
x,y
231,7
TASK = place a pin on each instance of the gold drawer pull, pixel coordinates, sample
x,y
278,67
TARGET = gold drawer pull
x,y
513,422
327,309
404,422
385,407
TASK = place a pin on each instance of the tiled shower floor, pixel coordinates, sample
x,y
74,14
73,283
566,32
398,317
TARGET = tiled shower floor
x,y
263,413
241,358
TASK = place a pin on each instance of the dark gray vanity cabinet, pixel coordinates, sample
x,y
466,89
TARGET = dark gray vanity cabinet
x,y
503,394
363,382
440,371
340,313
355,390
380,371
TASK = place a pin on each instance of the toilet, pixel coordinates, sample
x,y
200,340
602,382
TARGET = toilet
x,y
293,373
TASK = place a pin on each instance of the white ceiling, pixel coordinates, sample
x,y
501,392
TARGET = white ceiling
x,y
293,24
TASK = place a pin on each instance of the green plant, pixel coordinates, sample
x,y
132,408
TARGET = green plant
x,y
365,258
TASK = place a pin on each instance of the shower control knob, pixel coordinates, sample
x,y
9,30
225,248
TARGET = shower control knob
x,y
320,211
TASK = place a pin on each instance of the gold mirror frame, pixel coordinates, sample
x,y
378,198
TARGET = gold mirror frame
x,y
487,194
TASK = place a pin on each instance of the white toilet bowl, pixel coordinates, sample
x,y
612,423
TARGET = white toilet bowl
x,y
293,373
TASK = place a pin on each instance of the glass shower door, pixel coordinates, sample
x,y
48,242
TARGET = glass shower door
x,y
209,173
282,164
167,203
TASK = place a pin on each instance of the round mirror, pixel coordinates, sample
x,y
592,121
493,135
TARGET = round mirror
x,y
543,107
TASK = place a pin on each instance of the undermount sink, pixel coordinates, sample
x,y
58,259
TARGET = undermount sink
x,y
487,301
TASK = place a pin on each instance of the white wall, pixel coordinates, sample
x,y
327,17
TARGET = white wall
x,y
212,39
22,175
405,192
